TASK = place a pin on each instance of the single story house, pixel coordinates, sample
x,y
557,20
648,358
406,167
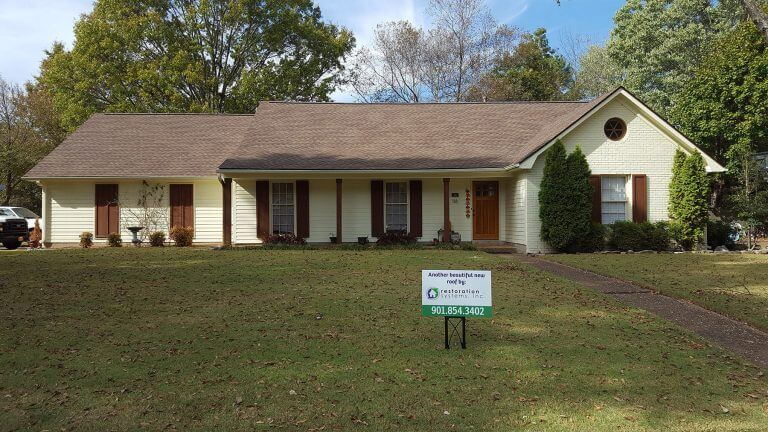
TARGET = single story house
x,y
322,170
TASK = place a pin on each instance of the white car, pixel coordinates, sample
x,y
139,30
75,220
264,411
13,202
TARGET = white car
x,y
20,213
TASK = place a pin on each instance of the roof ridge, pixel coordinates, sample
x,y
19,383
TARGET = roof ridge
x,y
426,103
175,114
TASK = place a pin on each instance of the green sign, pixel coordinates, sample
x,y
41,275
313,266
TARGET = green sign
x,y
456,293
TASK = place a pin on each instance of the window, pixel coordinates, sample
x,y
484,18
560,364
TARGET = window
x,y
615,129
5,212
282,208
396,206
614,199
25,213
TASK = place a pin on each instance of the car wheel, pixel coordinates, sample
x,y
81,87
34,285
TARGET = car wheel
x,y
12,244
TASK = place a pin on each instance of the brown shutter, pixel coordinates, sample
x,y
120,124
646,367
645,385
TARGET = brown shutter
x,y
262,209
182,206
416,230
377,208
302,209
597,199
107,210
639,198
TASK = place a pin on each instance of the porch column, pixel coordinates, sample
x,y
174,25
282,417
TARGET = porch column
x,y
446,210
226,189
338,212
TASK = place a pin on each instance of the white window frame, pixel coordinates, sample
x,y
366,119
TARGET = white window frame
x,y
272,206
604,201
407,204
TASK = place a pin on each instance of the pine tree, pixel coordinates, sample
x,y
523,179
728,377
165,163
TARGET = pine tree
x,y
580,199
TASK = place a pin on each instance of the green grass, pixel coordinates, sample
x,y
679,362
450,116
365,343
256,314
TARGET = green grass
x,y
193,339
734,285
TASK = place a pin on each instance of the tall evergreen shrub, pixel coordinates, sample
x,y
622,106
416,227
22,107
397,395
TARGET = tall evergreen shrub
x,y
689,199
565,200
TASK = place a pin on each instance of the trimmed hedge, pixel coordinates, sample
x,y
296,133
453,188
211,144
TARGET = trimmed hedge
x,y
626,236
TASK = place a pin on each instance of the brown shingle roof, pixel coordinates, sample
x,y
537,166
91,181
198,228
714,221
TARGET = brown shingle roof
x,y
311,136
329,136
146,145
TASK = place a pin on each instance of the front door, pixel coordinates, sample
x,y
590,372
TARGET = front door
x,y
486,210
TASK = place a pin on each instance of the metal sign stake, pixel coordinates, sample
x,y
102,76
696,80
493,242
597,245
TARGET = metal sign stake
x,y
454,323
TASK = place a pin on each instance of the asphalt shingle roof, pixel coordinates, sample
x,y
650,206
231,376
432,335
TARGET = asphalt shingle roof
x,y
311,136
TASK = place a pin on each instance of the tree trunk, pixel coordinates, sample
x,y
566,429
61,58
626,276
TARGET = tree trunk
x,y
757,14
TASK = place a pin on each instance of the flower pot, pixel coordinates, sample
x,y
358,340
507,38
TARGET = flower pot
x,y
333,239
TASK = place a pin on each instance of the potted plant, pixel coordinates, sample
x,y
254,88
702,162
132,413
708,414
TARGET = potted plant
x,y
333,237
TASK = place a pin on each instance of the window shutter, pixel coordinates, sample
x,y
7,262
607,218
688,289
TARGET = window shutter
x,y
415,210
107,210
302,209
377,208
639,198
182,209
262,209
597,199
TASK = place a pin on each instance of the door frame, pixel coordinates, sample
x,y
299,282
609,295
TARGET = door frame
x,y
474,211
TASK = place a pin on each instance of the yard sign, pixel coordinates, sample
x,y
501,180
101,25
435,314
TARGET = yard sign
x,y
456,293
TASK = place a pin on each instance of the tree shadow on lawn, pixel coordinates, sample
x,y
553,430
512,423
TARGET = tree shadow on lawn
x,y
336,341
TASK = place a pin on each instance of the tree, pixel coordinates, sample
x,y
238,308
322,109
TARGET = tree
x,y
725,103
29,129
410,64
689,198
748,199
565,199
659,43
533,71
758,15
598,74
194,55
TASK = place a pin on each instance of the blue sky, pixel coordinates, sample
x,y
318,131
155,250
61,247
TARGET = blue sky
x,y
29,27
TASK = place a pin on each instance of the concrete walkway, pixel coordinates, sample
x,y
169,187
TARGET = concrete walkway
x,y
734,336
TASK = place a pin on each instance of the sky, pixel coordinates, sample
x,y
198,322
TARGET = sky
x,y
29,27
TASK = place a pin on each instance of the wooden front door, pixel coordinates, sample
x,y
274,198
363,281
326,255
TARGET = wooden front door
x,y
182,209
486,210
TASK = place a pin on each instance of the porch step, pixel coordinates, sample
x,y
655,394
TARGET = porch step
x,y
496,247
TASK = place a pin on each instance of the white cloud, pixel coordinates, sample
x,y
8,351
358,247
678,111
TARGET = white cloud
x,y
28,28
362,16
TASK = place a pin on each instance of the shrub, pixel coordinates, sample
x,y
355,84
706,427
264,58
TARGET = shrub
x,y
720,233
157,239
182,236
626,236
396,238
114,240
86,240
36,235
565,199
285,240
689,198
594,241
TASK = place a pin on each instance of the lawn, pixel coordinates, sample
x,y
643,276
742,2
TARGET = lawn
x,y
732,284
194,339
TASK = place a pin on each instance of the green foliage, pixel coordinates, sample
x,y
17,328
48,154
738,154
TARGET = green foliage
x,y
565,199
533,71
86,240
396,238
725,104
626,236
719,234
157,239
659,43
194,56
598,74
114,240
285,240
688,199
182,236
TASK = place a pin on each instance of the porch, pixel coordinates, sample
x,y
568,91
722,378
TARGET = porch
x,y
475,206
